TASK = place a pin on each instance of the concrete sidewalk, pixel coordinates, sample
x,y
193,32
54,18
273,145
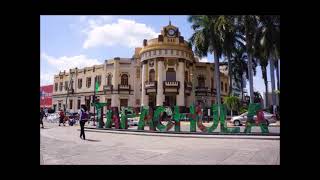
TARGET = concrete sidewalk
x,y
62,145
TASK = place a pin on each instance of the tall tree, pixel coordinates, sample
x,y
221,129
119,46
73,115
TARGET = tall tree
x,y
205,39
226,29
232,103
271,43
239,67
248,25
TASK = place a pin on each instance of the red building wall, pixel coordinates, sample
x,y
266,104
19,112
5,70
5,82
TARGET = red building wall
x,y
46,96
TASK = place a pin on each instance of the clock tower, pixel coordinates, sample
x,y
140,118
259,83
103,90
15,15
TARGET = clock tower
x,y
170,31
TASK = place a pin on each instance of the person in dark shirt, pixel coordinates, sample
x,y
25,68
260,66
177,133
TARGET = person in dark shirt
x,y
62,116
83,118
42,114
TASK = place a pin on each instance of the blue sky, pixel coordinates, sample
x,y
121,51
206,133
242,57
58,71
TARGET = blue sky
x,y
78,41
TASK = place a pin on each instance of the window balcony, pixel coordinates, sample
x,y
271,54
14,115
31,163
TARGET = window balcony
x,y
151,87
108,89
171,83
171,86
213,91
124,87
202,91
150,84
187,88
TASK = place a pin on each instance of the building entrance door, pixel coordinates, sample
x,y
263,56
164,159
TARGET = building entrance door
x,y
171,100
152,100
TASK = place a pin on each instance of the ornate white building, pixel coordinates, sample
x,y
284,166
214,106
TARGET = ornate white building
x,y
163,72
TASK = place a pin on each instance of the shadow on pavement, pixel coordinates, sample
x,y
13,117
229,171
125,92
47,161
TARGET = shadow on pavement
x,y
92,140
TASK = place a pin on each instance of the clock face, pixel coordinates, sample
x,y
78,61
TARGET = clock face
x,y
171,32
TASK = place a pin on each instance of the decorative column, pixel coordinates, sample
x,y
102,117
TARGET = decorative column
x,y
144,97
160,95
180,78
190,98
115,102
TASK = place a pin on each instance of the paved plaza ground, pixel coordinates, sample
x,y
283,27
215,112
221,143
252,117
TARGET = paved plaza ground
x,y
62,145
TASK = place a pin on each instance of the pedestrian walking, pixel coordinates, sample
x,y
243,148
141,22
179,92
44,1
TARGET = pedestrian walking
x,y
46,113
42,114
62,116
83,119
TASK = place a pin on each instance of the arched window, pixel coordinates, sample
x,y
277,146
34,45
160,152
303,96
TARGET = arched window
x,y
109,79
201,82
171,75
152,75
186,76
221,86
124,79
212,83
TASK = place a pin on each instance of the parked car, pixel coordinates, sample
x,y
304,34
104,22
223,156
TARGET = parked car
x,y
133,121
93,116
53,117
73,115
242,119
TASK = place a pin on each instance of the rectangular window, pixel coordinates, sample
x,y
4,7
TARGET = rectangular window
x,y
137,101
66,85
70,104
108,102
123,103
88,82
55,87
97,78
138,73
79,83
79,103
60,87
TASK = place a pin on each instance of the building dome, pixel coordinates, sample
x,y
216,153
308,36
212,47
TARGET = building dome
x,y
169,44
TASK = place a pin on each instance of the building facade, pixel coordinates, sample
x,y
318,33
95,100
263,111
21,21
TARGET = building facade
x,y
163,72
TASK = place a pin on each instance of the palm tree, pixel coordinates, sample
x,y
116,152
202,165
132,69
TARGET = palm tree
x,y
206,40
247,26
271,43
261,57
239,66
232,103
276,63
263,65
225,27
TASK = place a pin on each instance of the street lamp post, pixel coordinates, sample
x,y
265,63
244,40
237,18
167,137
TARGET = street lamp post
x,y
94,101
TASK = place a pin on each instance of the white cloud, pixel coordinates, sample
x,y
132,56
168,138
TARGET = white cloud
x,y
83,18
52,65
124,32
204,59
